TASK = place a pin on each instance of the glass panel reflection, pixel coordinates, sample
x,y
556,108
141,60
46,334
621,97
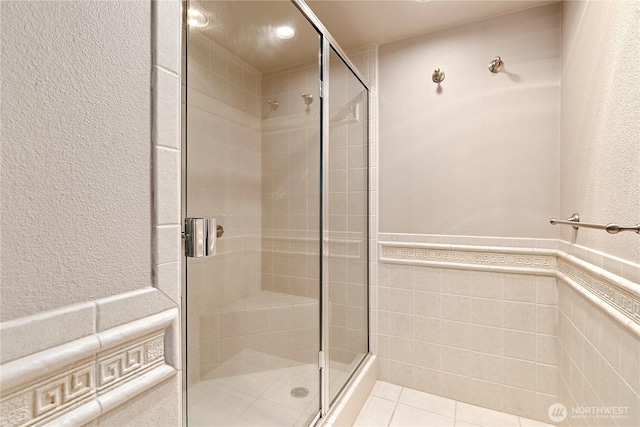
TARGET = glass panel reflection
x,y
253,145
348,224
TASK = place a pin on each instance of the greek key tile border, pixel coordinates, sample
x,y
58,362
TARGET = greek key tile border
x,y
617,297
48,398
79,380
617,292
125,364
447,256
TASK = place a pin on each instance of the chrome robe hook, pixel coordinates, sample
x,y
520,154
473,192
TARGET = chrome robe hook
x,y
496,65
437,76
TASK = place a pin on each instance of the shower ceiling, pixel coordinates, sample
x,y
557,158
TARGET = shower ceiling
x,y
249,31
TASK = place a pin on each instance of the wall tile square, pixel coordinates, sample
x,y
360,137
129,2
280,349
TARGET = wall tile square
x,y
520,345
401,325
519,373
519,316
486,339
401,276
401,301
487,312
428,329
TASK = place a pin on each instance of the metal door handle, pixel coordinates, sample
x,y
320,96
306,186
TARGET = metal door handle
x,y
201,236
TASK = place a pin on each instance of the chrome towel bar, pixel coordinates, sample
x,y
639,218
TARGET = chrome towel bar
x,y
574,221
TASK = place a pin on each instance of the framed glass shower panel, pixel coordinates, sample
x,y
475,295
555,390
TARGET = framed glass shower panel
x,y
347,226
252,165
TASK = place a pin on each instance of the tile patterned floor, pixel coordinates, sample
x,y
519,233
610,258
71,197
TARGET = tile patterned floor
x,y
255,399
260,398
394,406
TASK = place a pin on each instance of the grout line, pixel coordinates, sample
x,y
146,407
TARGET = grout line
x,y
393,412
455,412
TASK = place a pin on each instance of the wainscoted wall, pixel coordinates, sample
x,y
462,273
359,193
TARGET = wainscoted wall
x,y
599,361
599,350
514,325
472,322
101,355
90,332
526,318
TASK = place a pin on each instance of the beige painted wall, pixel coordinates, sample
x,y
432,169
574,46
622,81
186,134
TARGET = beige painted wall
x,y
480,155
600,156
76,153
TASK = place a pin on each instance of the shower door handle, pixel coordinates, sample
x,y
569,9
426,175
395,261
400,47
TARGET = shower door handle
x,y
201,236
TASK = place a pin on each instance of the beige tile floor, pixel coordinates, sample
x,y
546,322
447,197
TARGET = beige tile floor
x,y
261,398
392,405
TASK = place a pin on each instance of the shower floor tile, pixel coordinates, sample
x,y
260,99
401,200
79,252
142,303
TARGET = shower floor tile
x,y
255,399
261,398
390,405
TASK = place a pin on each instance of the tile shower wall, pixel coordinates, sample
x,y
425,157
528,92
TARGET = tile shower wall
x,y
347,220
290,181
224,177
481,337
599,364
267,162
291,197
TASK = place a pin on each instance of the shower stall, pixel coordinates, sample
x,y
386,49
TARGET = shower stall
x,y
275,202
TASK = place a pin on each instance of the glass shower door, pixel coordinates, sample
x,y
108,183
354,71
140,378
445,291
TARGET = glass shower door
x,y
346,259
252,164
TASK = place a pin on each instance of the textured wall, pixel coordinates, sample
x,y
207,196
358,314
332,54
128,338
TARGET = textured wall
x,y
600,127
76,200
480,155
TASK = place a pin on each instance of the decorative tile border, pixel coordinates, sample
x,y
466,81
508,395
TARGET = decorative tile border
x,y
49,397
516,260
619,298
119,366
610,290
71,380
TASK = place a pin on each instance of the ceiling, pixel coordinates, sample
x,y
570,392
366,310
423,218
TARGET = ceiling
x,y
356,23
246,27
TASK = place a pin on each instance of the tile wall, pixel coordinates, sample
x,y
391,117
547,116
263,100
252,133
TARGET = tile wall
x,y
599,364
291,199
291,181
224,182
256,169
515,325
347,200
486,338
